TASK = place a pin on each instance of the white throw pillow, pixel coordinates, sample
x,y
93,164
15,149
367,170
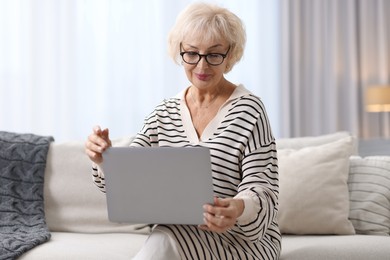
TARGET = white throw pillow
x,y
314,195
306,141
369,187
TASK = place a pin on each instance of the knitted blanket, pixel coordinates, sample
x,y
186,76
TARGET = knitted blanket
x,y
22,216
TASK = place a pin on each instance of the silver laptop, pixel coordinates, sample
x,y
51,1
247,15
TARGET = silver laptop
x,y
165,185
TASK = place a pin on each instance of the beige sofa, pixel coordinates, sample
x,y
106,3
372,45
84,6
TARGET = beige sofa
x,y
77,216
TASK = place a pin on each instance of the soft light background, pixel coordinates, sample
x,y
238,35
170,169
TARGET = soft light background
x,y
332,51
67,65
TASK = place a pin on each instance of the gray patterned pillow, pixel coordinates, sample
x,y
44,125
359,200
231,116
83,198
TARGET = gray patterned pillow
x,y
369,188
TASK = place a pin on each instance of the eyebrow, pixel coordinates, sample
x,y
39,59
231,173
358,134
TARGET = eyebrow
x,y
211,47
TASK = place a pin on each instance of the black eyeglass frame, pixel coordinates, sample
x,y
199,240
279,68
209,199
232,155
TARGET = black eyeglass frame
x,y
182,53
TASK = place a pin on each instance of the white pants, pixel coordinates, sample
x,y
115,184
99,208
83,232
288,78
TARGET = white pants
x,y
158,246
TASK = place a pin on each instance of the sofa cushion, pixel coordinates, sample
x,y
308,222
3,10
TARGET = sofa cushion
x,y
355,247
72,201
314,195
65,246
308,141
369,187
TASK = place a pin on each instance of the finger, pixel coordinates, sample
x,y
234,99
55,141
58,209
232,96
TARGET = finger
x,y
97,130
217,224
217,220
221,202
204,227
96,145
102,136
98,140
218,210
97,148
230,207
106,135
95,157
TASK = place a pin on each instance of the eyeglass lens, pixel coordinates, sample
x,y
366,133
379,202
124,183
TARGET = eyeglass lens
x,y
194,58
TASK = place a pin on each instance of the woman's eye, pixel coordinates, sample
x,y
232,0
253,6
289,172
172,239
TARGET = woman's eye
x,y
213,56
192,54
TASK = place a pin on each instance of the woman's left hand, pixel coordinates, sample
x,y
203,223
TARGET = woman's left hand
x,y
222,215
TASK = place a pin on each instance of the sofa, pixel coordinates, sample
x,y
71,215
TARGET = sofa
x,y
323,212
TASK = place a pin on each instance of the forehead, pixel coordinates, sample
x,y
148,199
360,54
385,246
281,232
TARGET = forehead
x,y
204,40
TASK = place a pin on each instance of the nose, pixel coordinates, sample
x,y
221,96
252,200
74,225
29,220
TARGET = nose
x,y
202,62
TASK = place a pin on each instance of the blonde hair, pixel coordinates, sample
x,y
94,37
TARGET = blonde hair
x,y
212,23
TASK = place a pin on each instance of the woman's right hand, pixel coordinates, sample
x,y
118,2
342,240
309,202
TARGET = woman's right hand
x,y
97,143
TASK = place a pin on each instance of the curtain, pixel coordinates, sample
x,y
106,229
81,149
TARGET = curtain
x,y
331,52
67,65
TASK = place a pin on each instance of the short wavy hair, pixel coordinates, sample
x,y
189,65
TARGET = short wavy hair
x,y
213,23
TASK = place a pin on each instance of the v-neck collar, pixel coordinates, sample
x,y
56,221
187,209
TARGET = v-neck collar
x,y
212,126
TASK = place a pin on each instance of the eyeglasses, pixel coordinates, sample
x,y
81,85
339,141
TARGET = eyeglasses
x,y
193,58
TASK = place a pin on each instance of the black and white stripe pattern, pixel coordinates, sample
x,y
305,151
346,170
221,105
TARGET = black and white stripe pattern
x,y
244,160
369,189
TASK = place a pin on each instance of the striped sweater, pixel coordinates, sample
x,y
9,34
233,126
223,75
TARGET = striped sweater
x,y
244,164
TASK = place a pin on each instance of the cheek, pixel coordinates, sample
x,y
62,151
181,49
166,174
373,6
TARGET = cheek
x,y
216,72
220,71
188,72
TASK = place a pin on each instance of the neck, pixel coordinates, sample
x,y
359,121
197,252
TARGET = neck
x,y
200,101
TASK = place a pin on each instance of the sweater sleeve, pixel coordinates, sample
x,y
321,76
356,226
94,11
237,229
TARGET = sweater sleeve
x,y
98,177
259,187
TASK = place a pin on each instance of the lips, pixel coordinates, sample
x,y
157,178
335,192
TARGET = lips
x,y
202,76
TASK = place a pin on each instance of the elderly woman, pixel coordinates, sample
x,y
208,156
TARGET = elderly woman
x,y
229,120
